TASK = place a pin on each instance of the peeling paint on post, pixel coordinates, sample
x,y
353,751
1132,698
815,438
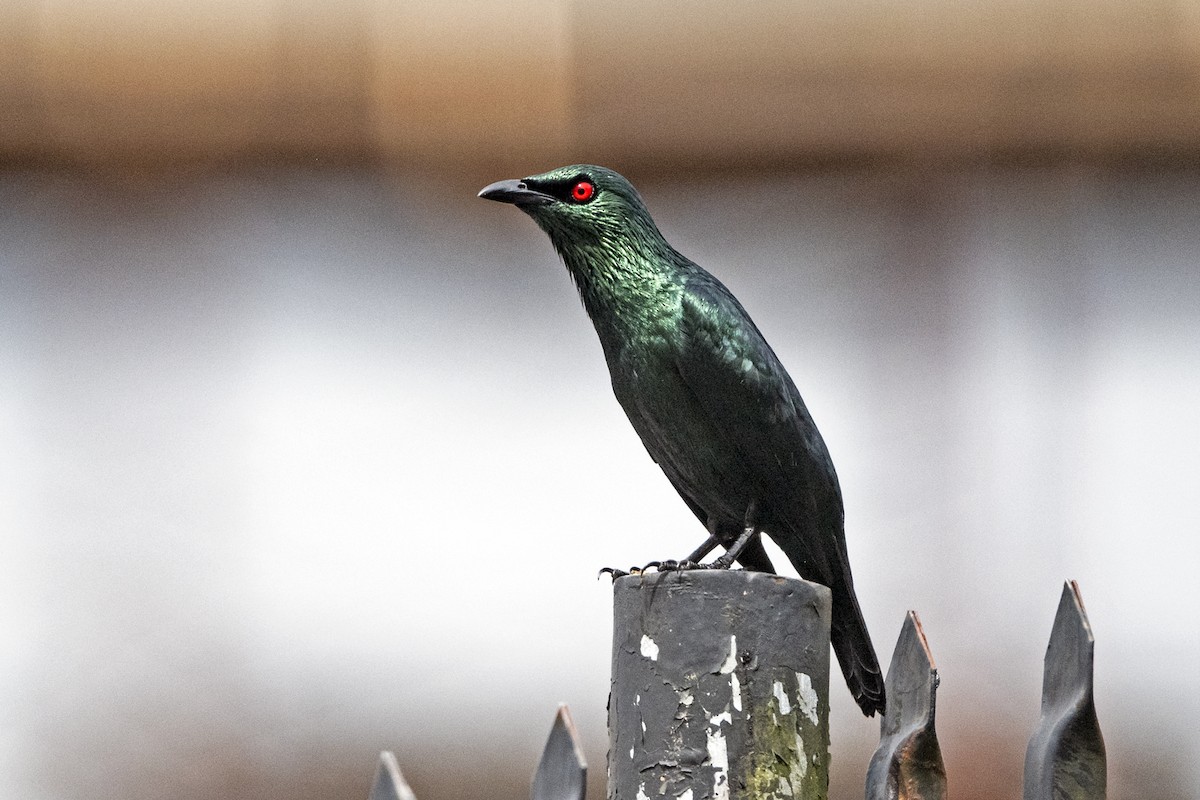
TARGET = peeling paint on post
x,y
720,687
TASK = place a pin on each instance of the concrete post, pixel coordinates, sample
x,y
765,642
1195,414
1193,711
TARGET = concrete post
x,y
720,687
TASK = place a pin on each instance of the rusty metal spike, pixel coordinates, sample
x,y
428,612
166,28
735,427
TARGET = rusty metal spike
x,y
1066,759
562,772
908,763
389,782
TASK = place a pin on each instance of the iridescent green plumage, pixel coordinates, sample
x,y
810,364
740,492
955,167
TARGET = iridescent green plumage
x,y
704,391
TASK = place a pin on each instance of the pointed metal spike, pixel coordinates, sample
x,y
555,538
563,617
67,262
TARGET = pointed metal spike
x,y
389,782
562,772
908,763
1066,757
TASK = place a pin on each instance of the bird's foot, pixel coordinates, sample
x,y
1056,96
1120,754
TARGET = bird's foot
x,y
670,565
661,566
688,564
680,566
721,562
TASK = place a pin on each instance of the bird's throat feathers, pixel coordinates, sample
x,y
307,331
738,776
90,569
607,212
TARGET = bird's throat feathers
x,y
626,275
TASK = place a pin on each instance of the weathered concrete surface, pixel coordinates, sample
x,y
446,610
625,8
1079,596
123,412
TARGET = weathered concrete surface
x,y
720,687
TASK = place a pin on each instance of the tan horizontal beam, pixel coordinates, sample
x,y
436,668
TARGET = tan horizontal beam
x,y
546,80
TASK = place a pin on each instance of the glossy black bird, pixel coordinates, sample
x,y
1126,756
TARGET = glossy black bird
x,y
705,392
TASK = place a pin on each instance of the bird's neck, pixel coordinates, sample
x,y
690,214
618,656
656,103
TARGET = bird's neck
x,y
628,289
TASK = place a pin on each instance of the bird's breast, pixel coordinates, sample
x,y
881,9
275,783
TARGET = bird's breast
x,y
678,433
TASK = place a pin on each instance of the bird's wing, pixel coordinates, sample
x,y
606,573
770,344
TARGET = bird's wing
x,y
749,397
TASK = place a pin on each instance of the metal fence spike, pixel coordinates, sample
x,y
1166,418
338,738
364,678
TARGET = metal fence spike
x,y
389,782
562,772
908,763
1066,757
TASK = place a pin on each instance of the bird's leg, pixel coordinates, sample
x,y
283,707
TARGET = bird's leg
x,y
701,551
704,549
725,561
692,559
732,551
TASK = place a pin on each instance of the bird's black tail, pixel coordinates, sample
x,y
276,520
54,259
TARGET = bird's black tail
x,y
855,653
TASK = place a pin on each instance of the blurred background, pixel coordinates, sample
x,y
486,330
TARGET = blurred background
x,y
305,452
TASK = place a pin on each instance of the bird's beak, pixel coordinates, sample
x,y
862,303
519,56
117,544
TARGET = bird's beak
x,y
515,192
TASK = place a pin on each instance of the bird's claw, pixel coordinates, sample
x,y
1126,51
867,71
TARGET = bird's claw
x,y
621,573
615,573
669,565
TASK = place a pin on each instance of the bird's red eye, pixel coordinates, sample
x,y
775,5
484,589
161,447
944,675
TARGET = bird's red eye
x,y
582,192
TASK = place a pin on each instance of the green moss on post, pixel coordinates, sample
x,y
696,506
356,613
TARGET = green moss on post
x,y
789,752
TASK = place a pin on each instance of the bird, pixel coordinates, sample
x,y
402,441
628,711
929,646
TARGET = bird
x,y
706,394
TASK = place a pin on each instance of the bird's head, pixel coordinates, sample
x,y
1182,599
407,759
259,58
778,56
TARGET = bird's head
x,y
580,205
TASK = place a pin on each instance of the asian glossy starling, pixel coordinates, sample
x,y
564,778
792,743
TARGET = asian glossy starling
x,y
706,394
